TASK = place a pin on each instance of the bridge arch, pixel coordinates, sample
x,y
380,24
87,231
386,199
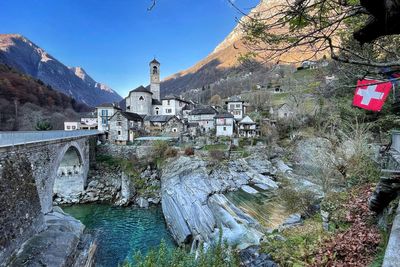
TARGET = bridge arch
x,y
69,171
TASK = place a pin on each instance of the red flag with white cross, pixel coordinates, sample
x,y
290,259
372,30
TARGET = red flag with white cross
x,y
371,94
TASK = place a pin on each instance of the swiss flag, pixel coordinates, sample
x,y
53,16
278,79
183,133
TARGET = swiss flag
x,y
371,94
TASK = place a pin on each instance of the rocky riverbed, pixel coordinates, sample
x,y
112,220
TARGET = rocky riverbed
x,y
195,207
110,184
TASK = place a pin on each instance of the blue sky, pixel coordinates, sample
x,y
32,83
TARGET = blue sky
x,y
113,40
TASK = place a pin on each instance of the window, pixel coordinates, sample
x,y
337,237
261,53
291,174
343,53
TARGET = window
x,y
232,106
168,110
168,102
104,113
154,70
157,111
174,130
68,127
237,105
119,123
119,132
224,128
73,127
141,98
104,121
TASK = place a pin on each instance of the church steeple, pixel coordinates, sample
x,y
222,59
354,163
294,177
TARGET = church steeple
x,y
155,78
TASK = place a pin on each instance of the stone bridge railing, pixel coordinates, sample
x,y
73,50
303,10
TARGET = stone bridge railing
x,y
22,137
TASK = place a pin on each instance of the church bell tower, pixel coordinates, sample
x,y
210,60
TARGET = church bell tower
x,y
155,79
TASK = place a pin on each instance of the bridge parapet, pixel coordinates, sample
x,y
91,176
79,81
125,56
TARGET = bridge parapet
x,y
28,137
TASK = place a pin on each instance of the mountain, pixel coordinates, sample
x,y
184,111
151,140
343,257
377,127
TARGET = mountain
x,y
223,61
20,53
24,101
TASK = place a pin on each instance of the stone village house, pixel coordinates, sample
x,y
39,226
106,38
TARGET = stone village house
x,y
204,118
124,127
168,125
247,128
224,123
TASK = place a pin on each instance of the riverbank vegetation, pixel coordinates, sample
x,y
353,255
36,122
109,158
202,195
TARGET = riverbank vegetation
x,y
220,255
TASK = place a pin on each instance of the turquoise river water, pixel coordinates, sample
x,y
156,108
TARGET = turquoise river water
x,y
122,231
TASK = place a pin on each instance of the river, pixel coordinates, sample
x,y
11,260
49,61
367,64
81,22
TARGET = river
x,y
122,231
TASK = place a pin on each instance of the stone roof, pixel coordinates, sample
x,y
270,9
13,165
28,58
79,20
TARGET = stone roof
x,y
247,120
141,89
158,118
203,110
224,115
234,99
106,105
132,116
156,102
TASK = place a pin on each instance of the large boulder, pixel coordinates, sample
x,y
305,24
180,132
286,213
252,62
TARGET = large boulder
x,y
195,208
55,246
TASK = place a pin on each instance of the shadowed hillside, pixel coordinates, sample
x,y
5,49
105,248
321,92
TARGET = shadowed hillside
x,y
25,101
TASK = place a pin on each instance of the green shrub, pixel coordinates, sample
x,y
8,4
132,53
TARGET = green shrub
x,y
298,244
298,201
333,204
108,159
219,255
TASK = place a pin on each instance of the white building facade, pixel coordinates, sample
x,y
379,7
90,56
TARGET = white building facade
x,y
236,107
71,125
224,124
104,113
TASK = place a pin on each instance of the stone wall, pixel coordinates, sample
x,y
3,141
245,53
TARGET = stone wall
x,y
28,174
20,209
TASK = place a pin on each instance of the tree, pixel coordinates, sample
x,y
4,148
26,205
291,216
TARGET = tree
x,y
317,27
215,100
43,126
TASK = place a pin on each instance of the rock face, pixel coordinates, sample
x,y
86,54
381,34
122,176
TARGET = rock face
x,y
55,246
23,55
195,208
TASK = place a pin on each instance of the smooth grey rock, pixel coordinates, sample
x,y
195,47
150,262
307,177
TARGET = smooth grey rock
x,y
249,189
193,206
55,246
142,203
293,220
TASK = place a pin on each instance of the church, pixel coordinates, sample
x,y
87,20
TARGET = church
x,y
148,103
143,101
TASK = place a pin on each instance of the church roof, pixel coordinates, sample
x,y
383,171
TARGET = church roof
x,y
141,89
154,61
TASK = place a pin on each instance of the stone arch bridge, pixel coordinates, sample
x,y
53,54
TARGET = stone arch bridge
x,y
35,167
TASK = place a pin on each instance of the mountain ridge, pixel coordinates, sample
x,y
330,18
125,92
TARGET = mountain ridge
x,y
22,54
224,61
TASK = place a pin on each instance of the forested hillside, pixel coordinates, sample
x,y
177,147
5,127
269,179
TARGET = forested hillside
x,y
24,102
